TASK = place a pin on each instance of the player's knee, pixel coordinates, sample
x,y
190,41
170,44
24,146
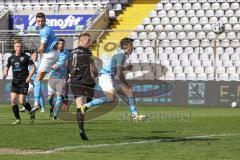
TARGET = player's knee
x,y
22,102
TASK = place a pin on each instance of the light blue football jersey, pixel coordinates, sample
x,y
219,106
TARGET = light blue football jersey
x,y
48,37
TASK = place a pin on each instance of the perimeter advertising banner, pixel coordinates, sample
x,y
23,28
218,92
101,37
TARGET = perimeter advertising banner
x,y
149,92
57,22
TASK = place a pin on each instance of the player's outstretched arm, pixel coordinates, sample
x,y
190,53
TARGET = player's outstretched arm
x,y
5,72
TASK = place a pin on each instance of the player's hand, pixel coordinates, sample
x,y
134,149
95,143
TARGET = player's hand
x,y
4,75
28,80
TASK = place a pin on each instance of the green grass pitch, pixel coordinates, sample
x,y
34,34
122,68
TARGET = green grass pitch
x,y
170,133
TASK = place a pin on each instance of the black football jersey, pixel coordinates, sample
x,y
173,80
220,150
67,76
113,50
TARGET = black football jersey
x,y
20,65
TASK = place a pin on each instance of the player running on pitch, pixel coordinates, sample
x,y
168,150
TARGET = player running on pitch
x,y
112,69
21,78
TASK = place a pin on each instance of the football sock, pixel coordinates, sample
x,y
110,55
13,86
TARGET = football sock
x,y
88,99
37,92
58,105
132,104
42,101
98,101
80,119
15,110
51,102
27,107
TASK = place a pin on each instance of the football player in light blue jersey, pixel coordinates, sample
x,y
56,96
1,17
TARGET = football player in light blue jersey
x,y
113,67
33,86
57,80
48,51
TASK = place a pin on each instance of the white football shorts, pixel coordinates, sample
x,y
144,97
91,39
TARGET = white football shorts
x,y
48,60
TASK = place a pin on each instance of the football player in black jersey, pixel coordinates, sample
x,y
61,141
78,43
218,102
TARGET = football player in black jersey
x,y
21,78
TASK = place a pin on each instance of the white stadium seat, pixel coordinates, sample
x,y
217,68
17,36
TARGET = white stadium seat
x,y
234,77
223,77
202,76
191,76
180,76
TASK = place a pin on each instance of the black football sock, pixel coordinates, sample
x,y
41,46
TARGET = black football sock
x,y
88,99
80,119
15,110
28,107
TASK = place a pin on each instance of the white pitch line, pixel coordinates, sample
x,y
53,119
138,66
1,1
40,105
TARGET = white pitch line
x,y
31,152
137,142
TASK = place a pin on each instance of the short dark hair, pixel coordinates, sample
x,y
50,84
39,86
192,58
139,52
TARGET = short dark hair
x,y
125,41
61,39
84,34
40,15
17,41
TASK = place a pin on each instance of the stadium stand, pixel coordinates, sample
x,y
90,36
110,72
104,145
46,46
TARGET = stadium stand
x,y
186,40
19,6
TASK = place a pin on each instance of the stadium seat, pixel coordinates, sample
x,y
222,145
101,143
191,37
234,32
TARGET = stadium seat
x,y
235,43
230,70
145,43
209,69
188,69
188,27
190,13
198,69
227,63
170,76
153,14
168,27
219,70
158,27
223,77
229,50
178,69
187,6
162,13
174,21
185,63
235,57
229,13
216,6
191,76
207,27
202,77
234,77
206,6
195,63
180,13
155,21
168,6
171,13
225,6
142,35
235,6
